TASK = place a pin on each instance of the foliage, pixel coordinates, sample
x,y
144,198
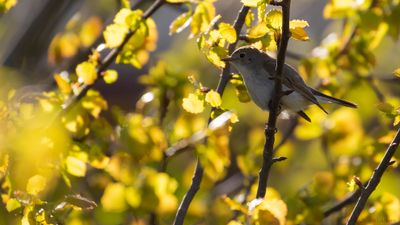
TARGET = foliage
x,y
93,163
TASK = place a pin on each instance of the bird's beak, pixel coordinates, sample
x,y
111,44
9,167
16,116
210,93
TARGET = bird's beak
x,y
228,59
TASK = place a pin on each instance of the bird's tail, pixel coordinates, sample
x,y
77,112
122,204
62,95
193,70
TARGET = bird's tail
x,y
321,97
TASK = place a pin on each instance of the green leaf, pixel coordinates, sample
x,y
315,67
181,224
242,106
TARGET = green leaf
x,y
385,107
12,204
110,76
180,23
213,98
36,184
193,104
227,32
87,72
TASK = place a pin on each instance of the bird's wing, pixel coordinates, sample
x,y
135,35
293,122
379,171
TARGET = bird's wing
x,y
295,82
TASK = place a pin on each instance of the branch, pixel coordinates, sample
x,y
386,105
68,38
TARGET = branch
x,y
110,57
223,81
270,130
375,179
343,203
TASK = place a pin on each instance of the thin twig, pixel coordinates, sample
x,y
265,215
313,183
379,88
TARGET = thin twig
x,y
270,130
223,81
375,179
343,203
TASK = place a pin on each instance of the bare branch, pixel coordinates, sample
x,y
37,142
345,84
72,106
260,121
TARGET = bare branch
x,y
374,180
223,81
274,109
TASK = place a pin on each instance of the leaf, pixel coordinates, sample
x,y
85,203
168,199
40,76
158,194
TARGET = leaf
x,y
271,212
396,72
114,35
75,166
234,206
193,104
12,204
113,198
120,17
110,76
249,18
274,19
257,31
178,1
251,3
90,30
87,72
180,23
227,32
63,84
213,98
215,54
36,184
297,29
385,107
126,4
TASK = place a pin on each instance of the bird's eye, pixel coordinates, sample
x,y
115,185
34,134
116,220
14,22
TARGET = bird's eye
x,y
241,55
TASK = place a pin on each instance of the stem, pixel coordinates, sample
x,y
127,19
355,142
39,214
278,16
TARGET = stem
x,y
375,179
270,129
223,81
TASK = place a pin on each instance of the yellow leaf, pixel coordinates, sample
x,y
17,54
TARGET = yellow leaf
x,y
62,84
90,30
234,206
87,72
258,31
110,76
213,98
297,29
75,166
113,198
178,1
227,32
114,35
180,23
274,18
120,17
271,212
12,204
396,72
193,104
215,54
36,184
251,3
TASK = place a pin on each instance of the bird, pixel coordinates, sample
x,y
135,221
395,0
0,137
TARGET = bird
x,y
258,70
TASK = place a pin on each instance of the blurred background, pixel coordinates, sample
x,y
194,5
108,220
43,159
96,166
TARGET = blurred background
x,y
40,38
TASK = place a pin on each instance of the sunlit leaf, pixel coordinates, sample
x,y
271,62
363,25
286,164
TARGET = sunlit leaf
x,y
272,211
36,184
274,19
249,18
216,54
227,32
193,104
13,204
75,166
62,84
396,72
251,3
297,29
113,198
114,35
90,30
235,206
180,23
87,72
213,98
257,31
110,76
